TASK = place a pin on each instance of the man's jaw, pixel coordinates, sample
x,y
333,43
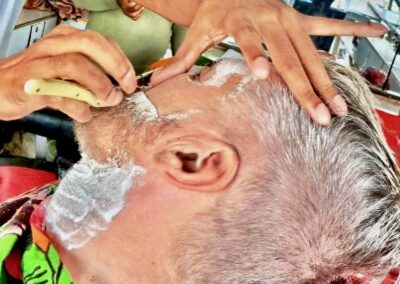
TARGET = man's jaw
x,y
87,200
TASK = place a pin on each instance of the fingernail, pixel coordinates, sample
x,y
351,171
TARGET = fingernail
x,y
382,27
129,81
261,68
137,7
323,114
115,97
131,3
155,76
339,106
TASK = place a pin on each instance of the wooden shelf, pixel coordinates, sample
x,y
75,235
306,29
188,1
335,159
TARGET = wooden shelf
x,y
30,16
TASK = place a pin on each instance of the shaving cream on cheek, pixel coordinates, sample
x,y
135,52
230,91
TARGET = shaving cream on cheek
x,y
88,198
144,109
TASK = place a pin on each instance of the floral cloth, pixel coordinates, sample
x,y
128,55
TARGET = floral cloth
x,y
65,8
26,254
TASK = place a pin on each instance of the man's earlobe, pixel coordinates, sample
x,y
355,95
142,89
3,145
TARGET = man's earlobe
x,y
200,163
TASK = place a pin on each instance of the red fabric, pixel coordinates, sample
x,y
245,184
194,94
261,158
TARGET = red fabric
x,y
391,127
37,217
12,262
362,279
391,277
15,181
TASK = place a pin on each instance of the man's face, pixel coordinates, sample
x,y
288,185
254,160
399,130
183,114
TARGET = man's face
x,y
189,160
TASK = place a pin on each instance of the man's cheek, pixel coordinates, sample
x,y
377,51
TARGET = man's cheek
x,y
87,200
106,134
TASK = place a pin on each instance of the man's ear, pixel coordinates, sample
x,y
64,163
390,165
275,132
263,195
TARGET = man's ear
x,y
200,163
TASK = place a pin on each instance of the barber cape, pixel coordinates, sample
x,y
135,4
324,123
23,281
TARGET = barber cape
x,y
26,254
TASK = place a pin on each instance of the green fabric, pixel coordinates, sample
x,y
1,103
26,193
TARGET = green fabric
x,y
7,244
36,265
178,35
43,267
96,5
144,41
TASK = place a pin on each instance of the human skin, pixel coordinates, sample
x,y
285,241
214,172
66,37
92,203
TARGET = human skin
x,y
269,21
232,193
69,54
284,31
171,196
131,9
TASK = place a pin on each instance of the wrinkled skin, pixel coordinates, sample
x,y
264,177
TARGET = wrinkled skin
x,y
69,54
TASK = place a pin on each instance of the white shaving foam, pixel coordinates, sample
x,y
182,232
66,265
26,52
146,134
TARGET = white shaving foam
x,y
144,108
87,200
225,69
181,115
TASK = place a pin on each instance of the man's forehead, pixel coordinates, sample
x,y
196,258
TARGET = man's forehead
x,y
219,73
200,88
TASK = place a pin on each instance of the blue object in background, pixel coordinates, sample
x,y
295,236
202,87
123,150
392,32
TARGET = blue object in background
x,y
9,13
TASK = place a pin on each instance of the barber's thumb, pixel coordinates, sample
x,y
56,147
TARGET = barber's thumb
x,y
165,73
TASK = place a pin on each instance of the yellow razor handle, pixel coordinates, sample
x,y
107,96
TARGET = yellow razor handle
x,y
61,88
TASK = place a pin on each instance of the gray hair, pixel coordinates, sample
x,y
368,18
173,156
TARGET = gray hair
x,y
322,202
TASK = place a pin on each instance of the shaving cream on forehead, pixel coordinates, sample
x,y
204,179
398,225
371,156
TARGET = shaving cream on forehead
x,y
144,109
88,198
225,69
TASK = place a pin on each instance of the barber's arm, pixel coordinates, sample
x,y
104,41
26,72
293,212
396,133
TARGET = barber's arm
x,y
252,22
68,54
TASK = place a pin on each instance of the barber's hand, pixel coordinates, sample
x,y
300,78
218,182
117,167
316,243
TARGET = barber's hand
x,y
286,34
69,54
131,9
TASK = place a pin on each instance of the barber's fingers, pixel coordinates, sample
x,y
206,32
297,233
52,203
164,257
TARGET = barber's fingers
x,y
12,60
326,26
249,42
200,37
115,44
28,54
97,48
67,30
314,67
77,110
290,68
78,68
75,67
134,13
60,30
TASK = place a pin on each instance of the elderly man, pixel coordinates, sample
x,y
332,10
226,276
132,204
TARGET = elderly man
x,y
200,180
